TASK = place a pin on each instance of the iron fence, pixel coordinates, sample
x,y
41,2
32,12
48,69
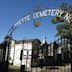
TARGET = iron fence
x,y
53,57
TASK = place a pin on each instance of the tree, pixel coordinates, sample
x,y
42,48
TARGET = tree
x,y
64,29
1,46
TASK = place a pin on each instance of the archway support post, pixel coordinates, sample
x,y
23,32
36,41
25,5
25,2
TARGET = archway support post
x,y
6,52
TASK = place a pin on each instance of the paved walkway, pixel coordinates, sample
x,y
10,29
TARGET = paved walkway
x,y
66,68
14,68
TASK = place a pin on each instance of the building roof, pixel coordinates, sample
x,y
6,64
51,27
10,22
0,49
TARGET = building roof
x,y
26,41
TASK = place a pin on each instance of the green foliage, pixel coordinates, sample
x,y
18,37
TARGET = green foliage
x,y
56,20
63,29
1,46
64,6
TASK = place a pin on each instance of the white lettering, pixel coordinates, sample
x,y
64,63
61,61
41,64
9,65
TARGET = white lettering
x,y
53,12
47,12
67,16
43,13
70,19
36,15
57,12
60,14
26,18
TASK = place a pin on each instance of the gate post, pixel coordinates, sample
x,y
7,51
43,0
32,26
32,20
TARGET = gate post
x,y
22,68
71,51
6,52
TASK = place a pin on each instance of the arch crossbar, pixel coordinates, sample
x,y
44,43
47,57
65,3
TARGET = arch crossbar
x,y
39,14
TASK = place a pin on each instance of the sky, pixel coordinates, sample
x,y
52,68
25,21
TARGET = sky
x,y
12,10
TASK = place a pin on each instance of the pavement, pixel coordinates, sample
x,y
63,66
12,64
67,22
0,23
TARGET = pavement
x,y
66,68
14,68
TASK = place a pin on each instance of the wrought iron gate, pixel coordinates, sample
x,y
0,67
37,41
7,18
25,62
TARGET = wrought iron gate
x,y
53,57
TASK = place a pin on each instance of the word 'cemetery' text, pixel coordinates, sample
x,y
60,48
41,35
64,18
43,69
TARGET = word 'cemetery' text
x,y
48,12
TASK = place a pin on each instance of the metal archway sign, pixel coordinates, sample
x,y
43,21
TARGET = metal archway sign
x,y
44,13
39,14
